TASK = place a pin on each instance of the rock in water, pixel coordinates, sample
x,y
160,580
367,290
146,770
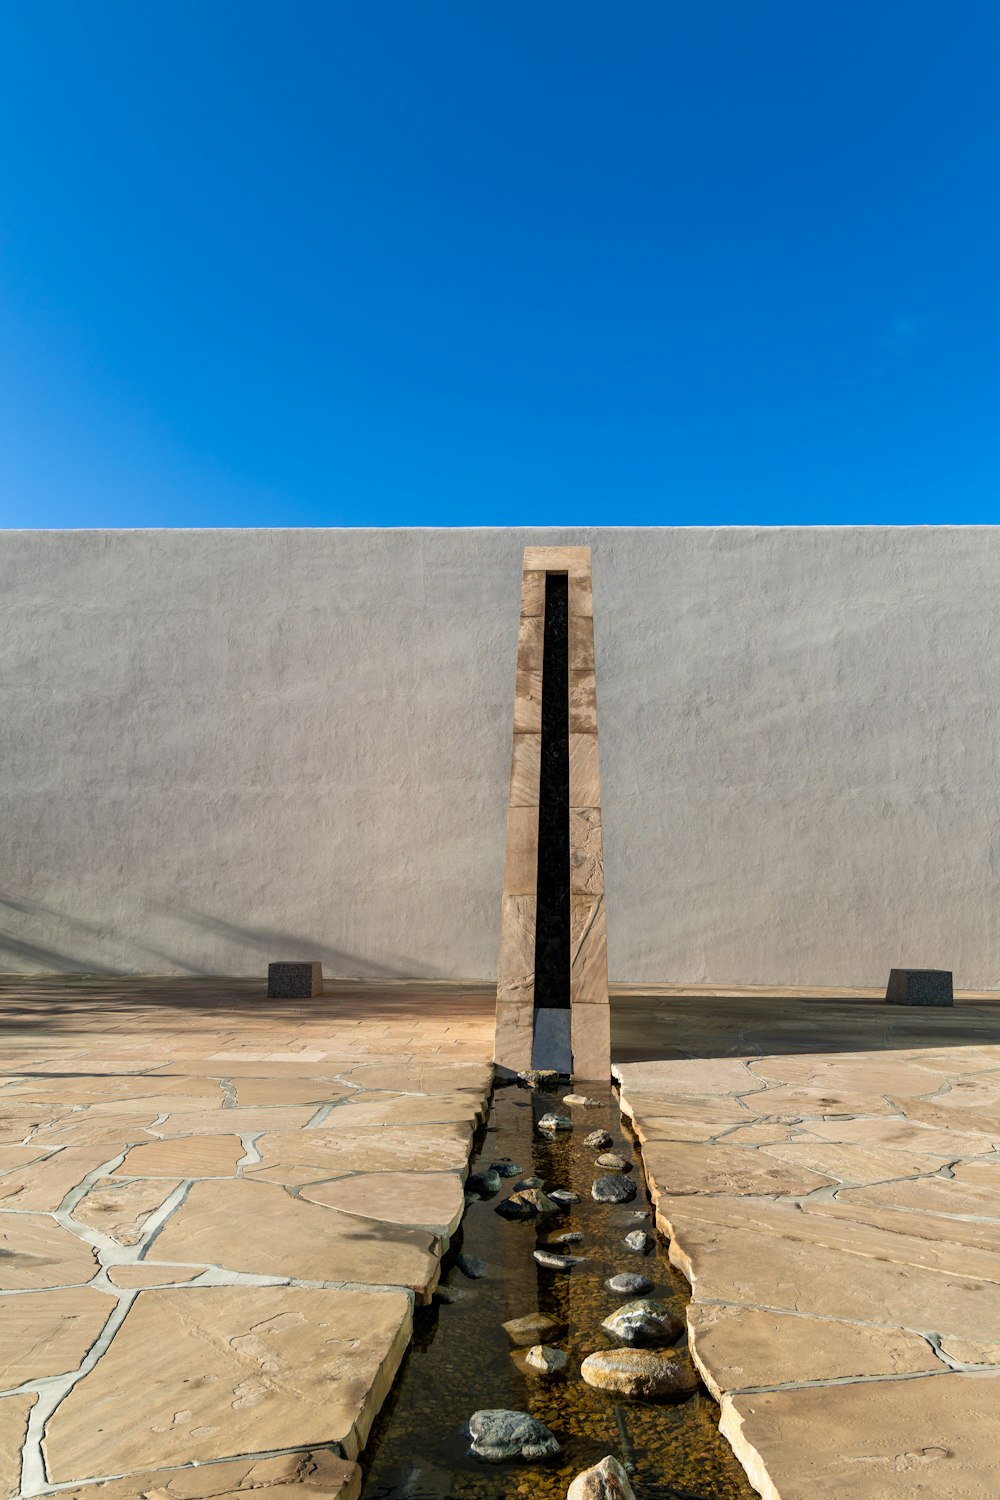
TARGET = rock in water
x,y
528,1182
545,1360
552,1121
641,1373
499,1436
630,1283
613,1162
533,1328
546,1079
581,1101
613,1190
471,1266
554,1262
485,1184
638,1240
450,1294
563,1197
568,1237
605,1481
599,1139
506,1167
644,1321
526,1205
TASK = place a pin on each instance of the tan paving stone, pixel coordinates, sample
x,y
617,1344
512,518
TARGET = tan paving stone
x,y
257,1227
402,1109
795,1102
905,1135
737,1254
739,1347
149,1273
187,1156
254,1092
656,1117
36,1252
972,1351
318,1475
48,1333
255,1368
932,1436
698,1077
430,1200
12,1157
858,1074
423,1078
760,1135
854,1164
931,1195
14,1411
234,1121
295,1157
44,1185
120,1209
112,1132
724,1169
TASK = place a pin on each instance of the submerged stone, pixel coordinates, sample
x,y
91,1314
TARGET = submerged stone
x,y
506,1168
581,1101
645,1322
613,1190
533,1328
563,1197
605,1481
613,1162
599,1139
553,1262
638,1241
527,1205
630,1283
568,1237
483,1184
546,1079
641,1373
499,1436
528,1182
552,1121
545,1360
471,1266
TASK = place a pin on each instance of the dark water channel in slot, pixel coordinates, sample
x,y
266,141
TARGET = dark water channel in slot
x,y
460,1360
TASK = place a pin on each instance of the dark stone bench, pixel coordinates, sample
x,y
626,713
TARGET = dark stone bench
x,y
294,981
920,987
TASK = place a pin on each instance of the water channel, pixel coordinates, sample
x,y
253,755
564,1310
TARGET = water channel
x,y
460,1360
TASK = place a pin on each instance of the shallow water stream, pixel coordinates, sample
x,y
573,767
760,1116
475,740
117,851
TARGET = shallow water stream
x,y
460,1360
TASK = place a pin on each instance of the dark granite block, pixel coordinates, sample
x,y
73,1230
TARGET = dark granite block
x,y
294,981
920,987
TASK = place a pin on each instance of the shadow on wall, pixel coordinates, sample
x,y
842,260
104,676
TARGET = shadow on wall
x,y
84,937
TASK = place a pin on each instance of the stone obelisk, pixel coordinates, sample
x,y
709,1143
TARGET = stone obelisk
x,y
552,990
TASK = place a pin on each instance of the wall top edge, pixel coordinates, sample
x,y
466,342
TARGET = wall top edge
x,y
512,531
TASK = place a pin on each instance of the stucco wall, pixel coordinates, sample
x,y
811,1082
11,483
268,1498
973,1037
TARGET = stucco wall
x,y
222,747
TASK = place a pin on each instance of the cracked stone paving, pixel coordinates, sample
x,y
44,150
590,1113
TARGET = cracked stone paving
x,y
218,1212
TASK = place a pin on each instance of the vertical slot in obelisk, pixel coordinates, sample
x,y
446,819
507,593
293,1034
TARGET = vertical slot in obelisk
x,y
551,1046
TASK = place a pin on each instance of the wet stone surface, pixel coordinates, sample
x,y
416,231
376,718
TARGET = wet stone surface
x,y
463,1360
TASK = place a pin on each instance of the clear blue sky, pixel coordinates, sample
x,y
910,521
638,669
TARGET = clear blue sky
x,y
443,262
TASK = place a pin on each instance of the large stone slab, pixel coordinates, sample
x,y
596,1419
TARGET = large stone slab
x,y
315,1476
48,1333
401,1109
257,1227
724,1169
184,1156
931,1437
296,1157
36,1252
14,1411
204,1372
44,1185
740,1347
434,1201
120,1209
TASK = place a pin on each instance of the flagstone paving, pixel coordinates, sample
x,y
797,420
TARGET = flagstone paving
x,y
828,1173
217,1212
